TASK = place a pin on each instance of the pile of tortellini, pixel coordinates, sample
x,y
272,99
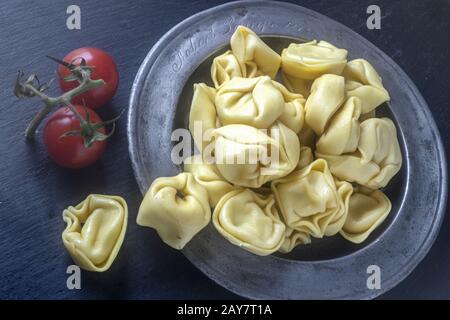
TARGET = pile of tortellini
x,y
333,154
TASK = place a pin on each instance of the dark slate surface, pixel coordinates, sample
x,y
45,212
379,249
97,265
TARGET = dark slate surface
x,y
34,191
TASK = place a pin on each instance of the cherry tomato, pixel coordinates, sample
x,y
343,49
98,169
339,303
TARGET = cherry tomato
x,y
69,151
104,68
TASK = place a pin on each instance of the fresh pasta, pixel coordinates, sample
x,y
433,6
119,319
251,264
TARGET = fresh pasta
x,y
342,134
377,159
363,81
293,238
250,221
309,199
288,163
224,68
312,59
293,111
95,231
297,85
255,102
306,157
208,176
253,55
176,207
327,95
367,210
248,157
203,116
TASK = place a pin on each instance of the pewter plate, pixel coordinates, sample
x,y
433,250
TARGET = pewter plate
x,y
328,268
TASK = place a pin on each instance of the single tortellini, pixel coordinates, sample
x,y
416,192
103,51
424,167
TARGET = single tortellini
x,y
363,81
250,221
306,157
342,134
350,167
202,117
208,176
293,113
379,143
294,238
95,231
225,67
248,157
377,160
297,85
256,102
253,55
309,200
176,207
367,210
327,95
312,59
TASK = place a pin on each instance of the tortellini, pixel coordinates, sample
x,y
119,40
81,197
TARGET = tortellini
x,y
281,164
297,85
208,176
367,210
250,221
255,102
225,67
302,63
312,59
246,156
363,81
176,207
306,157
293,112
95,231
294,238
309,200
378,157
327,95
253,55
202,117
379,142
342,134
344,190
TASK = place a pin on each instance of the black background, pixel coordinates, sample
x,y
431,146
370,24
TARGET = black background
x,y
34,191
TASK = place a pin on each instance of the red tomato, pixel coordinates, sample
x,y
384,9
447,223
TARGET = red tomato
x,y
104,68
69,151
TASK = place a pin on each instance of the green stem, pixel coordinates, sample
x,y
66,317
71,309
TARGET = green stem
x,y
85,84
76,113
37,119
49,101
82,88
